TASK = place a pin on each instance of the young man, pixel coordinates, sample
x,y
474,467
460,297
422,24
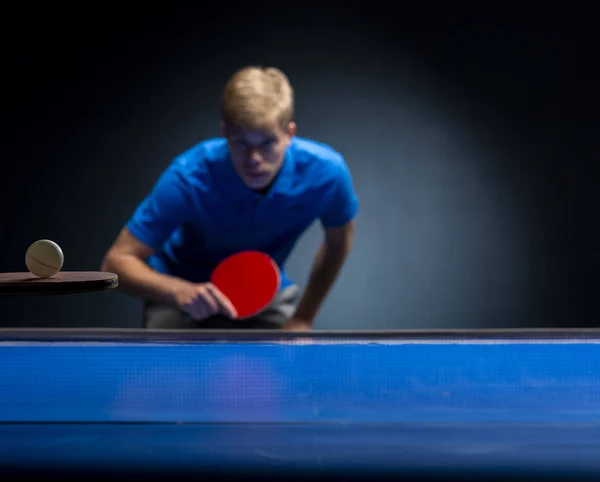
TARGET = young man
x,y
259,187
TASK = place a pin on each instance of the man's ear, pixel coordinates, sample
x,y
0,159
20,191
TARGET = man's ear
x,y
291,129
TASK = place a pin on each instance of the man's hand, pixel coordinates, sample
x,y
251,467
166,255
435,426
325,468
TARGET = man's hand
x,y
296,324
203,300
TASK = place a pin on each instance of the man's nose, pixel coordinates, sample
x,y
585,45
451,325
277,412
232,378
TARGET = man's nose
x,y
254,156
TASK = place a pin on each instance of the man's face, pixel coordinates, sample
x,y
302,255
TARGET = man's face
x,y
258,154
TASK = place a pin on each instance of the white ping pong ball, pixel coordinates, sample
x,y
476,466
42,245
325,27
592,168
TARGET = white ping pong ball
x,y
44,258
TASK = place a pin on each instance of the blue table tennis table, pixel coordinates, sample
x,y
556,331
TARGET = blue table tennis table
x,y
429,404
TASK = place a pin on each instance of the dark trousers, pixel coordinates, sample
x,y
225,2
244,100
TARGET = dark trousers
x,y
167,317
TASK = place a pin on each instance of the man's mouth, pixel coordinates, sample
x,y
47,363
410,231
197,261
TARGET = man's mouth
x,y
255,175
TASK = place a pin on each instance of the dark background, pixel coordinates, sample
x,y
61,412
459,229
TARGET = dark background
x,y
471,136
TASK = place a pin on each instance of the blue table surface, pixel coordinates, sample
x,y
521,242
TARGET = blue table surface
x,y
496,449
267,382
490,405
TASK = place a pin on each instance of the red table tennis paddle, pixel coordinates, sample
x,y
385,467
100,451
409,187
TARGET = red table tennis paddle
x,y
249,279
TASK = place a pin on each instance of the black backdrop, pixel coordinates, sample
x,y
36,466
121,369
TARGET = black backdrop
x,y
472,137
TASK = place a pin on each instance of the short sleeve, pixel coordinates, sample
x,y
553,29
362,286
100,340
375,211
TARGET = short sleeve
x,y
166,208
343,204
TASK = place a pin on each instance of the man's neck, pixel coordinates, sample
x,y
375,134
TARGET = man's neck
x,y
264,191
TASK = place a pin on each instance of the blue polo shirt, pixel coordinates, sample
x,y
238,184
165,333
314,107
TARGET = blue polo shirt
x,y
200,211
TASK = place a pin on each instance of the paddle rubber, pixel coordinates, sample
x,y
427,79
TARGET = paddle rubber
x,y
249,279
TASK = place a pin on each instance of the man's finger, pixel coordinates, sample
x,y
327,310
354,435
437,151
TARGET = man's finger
x,y
226,306
209,300
201,309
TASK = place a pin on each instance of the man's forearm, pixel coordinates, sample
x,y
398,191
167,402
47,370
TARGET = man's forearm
x,y
138,279
325,270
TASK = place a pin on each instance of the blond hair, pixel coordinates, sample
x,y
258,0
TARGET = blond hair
x,y
255,97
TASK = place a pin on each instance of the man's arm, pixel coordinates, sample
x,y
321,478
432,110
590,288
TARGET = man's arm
x,y
127,258
337,219
326,267
154,220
